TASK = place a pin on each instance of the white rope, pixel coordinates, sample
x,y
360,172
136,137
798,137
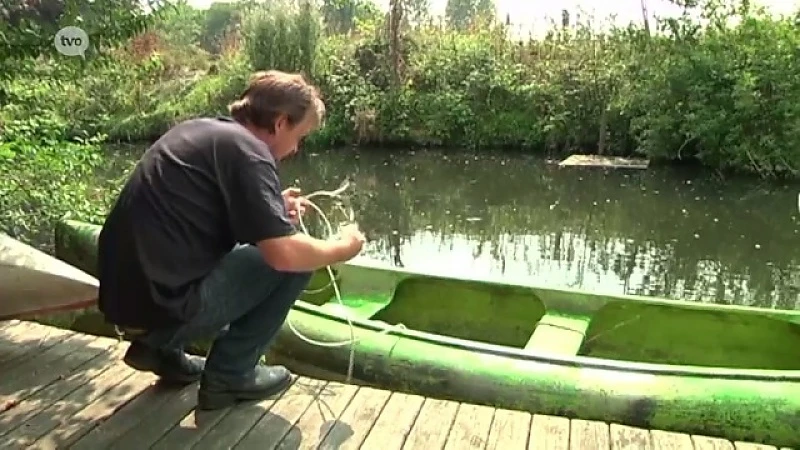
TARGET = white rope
x,y
337,293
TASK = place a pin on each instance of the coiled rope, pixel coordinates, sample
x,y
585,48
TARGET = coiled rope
x,y
349,214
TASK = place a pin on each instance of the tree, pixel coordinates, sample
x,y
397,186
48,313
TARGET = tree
x,y
340,16
461,13
27,27
220,18
417,11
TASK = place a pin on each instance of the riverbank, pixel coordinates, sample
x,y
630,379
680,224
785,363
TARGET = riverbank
x,y
722,96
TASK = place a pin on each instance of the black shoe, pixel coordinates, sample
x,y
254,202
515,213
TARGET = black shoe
x,y
173,366
262,383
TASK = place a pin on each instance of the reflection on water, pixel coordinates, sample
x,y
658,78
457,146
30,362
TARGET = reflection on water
x,y
658,232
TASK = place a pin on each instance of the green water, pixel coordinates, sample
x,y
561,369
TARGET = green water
x,y
676,233
466,310
668,335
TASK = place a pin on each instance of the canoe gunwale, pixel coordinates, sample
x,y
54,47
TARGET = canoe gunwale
x,y
577,361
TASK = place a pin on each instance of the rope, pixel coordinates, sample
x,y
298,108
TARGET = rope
x,y
336,194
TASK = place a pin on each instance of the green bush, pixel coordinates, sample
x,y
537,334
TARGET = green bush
x,y
44,177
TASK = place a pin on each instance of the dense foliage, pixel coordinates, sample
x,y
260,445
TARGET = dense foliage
x,y
720,90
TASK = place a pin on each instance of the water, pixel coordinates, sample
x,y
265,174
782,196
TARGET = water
x,y
661,232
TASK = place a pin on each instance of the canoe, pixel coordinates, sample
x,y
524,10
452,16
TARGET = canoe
x,y
33,282
688,367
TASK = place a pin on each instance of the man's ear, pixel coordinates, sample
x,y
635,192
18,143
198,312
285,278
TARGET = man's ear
x,y
282,123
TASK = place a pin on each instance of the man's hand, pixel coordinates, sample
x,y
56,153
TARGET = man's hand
x,y
295,204
353,239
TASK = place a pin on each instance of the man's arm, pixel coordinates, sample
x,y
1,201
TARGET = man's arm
x,y
302,253
257,213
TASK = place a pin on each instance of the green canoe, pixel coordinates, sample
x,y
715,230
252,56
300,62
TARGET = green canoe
x,y
689,367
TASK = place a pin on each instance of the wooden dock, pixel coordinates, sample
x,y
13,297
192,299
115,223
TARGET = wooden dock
x,y
61,389
608,162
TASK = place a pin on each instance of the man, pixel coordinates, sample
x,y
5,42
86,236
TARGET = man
x,y
202,237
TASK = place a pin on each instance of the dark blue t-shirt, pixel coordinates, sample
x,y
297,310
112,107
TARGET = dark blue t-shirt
x,y
204,186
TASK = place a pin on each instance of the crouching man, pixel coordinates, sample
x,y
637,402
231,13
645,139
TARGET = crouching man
x,y
202,237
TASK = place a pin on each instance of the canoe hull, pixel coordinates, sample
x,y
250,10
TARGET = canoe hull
x,y
748,405
33,282
766,411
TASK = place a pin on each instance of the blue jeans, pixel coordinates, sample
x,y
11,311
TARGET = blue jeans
x,y
249,297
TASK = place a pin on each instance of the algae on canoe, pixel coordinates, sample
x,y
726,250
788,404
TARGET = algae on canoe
x,y
689,367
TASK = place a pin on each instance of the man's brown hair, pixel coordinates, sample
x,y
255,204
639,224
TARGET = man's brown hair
x,y
273,93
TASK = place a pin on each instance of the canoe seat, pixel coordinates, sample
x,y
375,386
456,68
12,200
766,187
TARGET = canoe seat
x,y
559,334
352,309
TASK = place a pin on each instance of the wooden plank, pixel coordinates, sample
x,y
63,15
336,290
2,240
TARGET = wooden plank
x,y
282,417
14,335
751,446
14,330
549,433
611,162
6,327
665,440
624,437
36,359
125,417
589,435
709,443
191,429
100,408
510,430
240,419
56,391
59,412
22,330
24,380
318,419
356,421
48,357
394,423
158,421
432,425
26,341
558,334
470,428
